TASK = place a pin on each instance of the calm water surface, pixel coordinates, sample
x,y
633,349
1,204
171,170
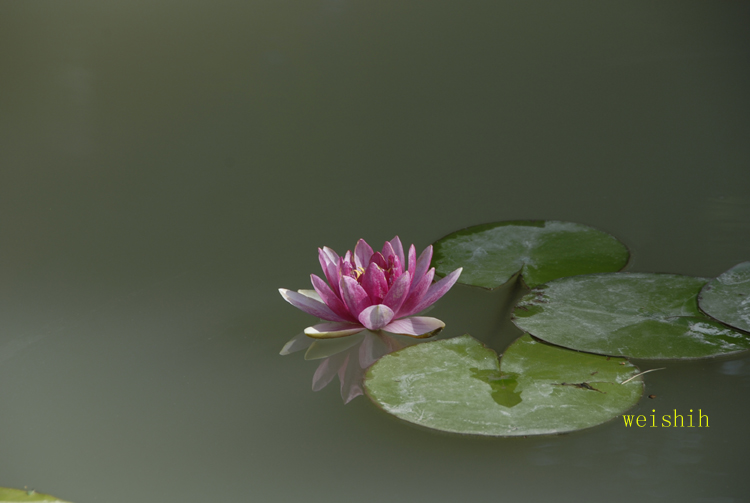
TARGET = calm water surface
x,y
166,166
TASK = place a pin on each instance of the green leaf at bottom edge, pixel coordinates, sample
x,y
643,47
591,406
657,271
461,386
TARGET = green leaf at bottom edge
x,y
8,495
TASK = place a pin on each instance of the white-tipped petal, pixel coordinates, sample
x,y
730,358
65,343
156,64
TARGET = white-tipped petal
x,y
333,330
311,294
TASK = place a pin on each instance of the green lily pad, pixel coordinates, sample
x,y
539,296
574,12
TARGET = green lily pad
x,y
727,298
638,315
22,495
492,254
458,385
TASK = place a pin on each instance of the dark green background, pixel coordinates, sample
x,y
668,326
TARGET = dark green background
x,y
165,166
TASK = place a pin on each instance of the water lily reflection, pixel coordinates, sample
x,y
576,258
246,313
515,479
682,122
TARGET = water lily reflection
x,y
346,358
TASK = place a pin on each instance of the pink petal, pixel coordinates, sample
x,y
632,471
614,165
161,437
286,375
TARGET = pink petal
x,y
378,258
332,256
423,263
330,299
354,296
388,251
348,258
395,269
345,269
398,292
412,260
376,317
417,326
438,290
330,267
310,306
332,330
416,294
374,283
362,254
398,248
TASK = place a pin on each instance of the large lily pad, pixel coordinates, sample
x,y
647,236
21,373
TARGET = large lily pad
x,y
18,495
639,315
492,254
727,298
458,385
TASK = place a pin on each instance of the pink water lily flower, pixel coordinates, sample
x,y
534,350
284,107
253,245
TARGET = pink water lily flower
x,y
374,291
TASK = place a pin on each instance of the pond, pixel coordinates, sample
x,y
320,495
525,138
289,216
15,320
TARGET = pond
x,y
167,166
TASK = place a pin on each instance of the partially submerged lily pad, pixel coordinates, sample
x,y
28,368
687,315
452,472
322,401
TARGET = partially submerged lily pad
x,y
727,298
492,254
639,315
22,495
458,385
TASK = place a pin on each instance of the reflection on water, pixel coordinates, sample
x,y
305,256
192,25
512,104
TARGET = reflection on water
x,y
347,357
739,369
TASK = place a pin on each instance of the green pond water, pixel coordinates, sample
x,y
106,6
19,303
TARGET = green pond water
x,y
166,166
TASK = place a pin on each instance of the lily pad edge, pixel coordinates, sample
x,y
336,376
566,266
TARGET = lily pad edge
x,y
707,287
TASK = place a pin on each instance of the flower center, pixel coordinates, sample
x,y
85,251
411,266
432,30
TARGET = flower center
x,y
358,272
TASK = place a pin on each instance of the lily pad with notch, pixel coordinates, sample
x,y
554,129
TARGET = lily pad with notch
x,y
540,251
727,298
637,315
458,385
